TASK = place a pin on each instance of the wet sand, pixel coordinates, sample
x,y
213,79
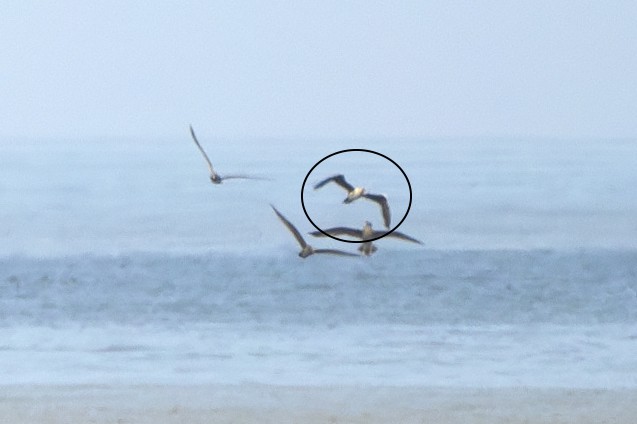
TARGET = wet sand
x,y
301,404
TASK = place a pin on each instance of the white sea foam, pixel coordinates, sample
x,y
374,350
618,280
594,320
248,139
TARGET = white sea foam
x,y
600,356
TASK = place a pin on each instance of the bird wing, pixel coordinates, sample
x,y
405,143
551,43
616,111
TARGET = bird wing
x,y
339,231
338,179
335,252
205,156
243,177
384,206
398,235
290,227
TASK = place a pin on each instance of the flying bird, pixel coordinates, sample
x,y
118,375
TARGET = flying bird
x,y
367,233
306,249
354,193
214,177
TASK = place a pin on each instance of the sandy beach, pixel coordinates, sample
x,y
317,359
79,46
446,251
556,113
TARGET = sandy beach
x,y
285,404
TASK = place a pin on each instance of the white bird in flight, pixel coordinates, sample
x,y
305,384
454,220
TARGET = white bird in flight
x,y
306,249
354,193
367,233
214,177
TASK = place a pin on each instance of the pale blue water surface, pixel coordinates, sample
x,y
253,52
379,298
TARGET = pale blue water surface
x,y
120,262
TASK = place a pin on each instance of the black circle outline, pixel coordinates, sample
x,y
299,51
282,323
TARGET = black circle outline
x,y
356,150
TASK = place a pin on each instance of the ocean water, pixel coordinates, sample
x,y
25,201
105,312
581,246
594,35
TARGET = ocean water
x,y
121,263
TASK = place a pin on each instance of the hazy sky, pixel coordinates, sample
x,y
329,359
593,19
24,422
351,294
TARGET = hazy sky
x,y
323,69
